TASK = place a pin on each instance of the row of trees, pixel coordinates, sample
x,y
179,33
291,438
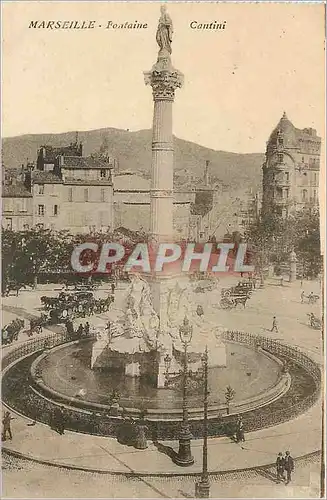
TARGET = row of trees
x,y
273,238
27,255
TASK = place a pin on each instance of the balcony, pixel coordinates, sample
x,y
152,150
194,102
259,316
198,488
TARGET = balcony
x,y
282,182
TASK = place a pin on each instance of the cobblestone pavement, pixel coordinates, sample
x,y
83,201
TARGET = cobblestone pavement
x,y
24,479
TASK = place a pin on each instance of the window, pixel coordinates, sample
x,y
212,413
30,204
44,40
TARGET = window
x,y
55,210
9,224
315,179
287,176
280,141
41,188
9,205
103,173
280,157
86,194
314,195
41,210
304,195
287,192
102,195
302,159
70,194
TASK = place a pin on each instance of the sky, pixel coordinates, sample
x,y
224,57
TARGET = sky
x,y
238,81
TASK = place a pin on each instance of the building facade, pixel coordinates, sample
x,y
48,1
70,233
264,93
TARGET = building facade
x,y
64,191
17,206
291,169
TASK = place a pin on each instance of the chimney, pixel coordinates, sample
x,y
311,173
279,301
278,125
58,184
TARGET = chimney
x,y
206,174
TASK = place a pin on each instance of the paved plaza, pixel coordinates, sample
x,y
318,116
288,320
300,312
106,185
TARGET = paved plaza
x,y
84,452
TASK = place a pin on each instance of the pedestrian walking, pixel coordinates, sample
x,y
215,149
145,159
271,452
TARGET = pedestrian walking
x,y
80,331
311,298
59,420
302,296
280,467
6,426
289,466
240,436
113,288
274,327
87,329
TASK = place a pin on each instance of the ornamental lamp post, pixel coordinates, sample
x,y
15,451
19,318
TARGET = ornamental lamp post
x,y
184,457
202,488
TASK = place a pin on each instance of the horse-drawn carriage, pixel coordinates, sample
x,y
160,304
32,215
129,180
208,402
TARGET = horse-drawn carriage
x,y
239,294
74,304
12,286
37,324
204,282
10,332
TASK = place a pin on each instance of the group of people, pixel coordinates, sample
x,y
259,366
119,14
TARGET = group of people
x,y
284,463
82,330
132,433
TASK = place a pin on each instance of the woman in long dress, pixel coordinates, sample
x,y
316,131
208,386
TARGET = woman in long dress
x,y
141,441
165,30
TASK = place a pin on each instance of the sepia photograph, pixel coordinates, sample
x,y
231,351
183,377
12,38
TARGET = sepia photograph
x,y
163,250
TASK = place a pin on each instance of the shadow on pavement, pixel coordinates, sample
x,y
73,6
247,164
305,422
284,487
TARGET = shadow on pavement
x,y
268,475
185,495
166,450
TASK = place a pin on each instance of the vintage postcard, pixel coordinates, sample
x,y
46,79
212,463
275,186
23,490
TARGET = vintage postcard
x,y
163,199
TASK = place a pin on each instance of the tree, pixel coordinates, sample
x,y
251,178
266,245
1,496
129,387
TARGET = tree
x,y
304,231
26,254
272,238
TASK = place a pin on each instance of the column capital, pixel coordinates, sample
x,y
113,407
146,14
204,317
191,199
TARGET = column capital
x,y
164,82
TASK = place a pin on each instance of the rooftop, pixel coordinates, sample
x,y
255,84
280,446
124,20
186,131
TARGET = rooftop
x,y
84,162
41,177
50,153
291,134
17,190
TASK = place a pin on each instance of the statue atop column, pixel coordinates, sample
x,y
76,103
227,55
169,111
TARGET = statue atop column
x,y
164,34
163,77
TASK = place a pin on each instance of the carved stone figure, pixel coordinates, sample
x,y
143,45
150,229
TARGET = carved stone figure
x,y
164,30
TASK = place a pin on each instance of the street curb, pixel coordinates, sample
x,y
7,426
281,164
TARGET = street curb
x,y
17,454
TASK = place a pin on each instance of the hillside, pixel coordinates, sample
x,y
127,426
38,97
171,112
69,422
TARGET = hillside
x,y
133,150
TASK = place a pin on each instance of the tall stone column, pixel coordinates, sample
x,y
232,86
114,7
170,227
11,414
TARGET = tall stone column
x,y
164,80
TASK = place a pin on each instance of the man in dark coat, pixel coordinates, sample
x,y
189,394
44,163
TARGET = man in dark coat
x,y
6,426
80,331
280,467
59,420
289,466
